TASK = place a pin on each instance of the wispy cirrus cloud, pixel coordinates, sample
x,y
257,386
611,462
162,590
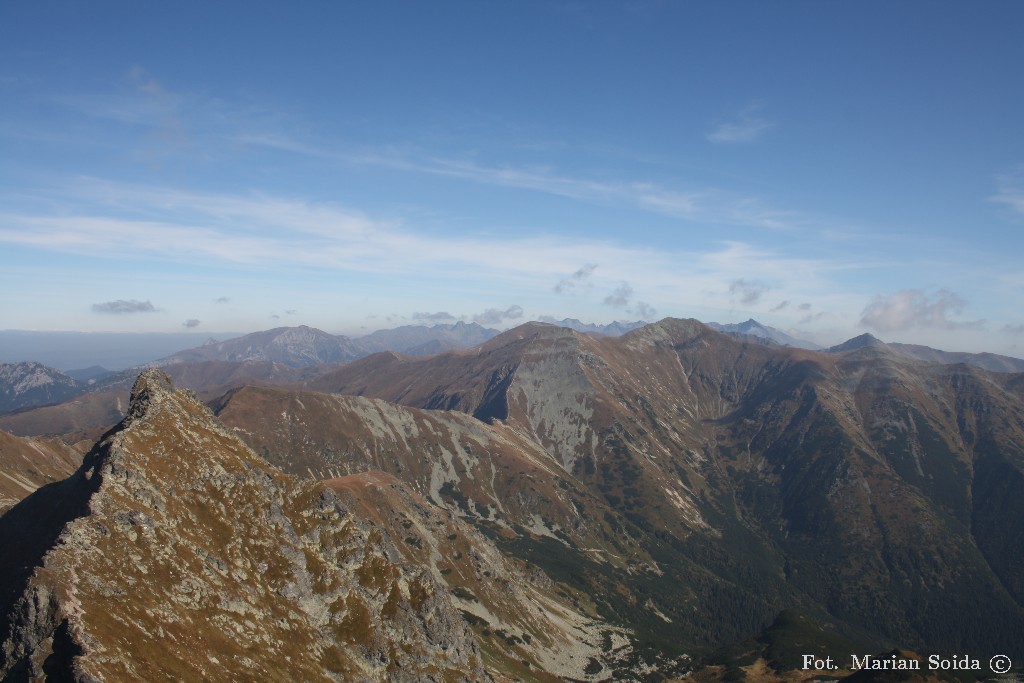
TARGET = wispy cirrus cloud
x,y
180,120
746,126
699,204
709,205
1010,190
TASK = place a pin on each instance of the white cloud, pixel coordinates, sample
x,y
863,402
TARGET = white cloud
x,y
233,233
913,308
494,316
129,222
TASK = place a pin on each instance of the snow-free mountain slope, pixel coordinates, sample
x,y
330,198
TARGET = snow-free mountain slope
x,y
24,385
183,555
28,464
871,490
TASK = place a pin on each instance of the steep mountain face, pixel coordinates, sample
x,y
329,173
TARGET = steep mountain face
x,y
870,491
529,628
176,552
487,475
28,464
449,458
33,384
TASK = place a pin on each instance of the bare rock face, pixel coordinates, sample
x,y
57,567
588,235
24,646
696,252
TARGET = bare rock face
x,y
177,553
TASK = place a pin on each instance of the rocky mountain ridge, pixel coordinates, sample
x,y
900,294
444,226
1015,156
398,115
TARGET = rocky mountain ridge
x,y
174,551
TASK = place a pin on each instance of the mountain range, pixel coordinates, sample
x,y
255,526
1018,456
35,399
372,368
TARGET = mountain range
x,y
288,355
859,485
276,356
304,346
581,507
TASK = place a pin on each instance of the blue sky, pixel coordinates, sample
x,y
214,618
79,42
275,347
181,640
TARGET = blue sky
x,y
827,168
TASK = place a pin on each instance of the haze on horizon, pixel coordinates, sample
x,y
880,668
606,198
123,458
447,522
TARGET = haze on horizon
x,y
827,169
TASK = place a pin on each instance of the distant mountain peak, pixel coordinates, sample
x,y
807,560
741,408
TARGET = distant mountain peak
x,y
29,383
756,328
859,342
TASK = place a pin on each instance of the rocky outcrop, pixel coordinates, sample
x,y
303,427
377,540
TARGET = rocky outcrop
x,y
176,552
